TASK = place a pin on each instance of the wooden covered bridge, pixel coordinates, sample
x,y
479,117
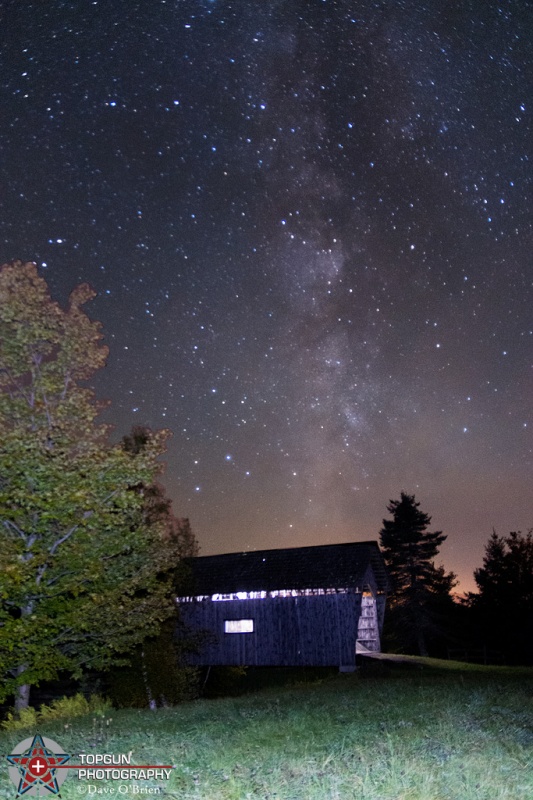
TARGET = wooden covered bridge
x,y
301,606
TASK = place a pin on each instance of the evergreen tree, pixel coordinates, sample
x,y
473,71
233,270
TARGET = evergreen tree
x,y
420,600
83,576
503,607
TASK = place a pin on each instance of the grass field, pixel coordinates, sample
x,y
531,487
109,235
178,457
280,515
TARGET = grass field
x,y
437,731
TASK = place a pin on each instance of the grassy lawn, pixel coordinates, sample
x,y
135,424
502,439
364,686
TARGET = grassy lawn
x,y
437,731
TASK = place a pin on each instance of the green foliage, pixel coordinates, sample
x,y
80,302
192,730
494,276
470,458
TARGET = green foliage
x,y
420,601
85,575
65,708
156,676
25,718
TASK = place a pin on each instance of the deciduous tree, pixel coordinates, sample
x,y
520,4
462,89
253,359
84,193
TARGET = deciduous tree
x,y
84,575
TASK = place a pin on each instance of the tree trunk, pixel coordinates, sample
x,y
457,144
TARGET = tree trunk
x,y
151,702
422,649
22,695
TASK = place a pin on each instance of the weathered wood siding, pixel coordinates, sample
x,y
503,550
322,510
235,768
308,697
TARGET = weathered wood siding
x,y
288,631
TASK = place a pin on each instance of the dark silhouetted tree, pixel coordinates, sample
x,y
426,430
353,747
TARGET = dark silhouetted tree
x,y
420,601
503,607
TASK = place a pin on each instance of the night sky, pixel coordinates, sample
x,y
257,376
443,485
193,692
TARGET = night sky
x,y
309,224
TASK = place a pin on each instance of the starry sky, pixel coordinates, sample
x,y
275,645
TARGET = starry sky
x,y
309,224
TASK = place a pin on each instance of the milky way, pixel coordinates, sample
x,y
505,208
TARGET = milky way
x,y
309,227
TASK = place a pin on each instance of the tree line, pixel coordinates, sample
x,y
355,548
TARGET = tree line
x,y
493,624
91,554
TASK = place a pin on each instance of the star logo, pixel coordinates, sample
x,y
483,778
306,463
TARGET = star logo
x,y
34,764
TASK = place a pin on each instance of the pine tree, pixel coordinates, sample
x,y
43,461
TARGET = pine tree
x,y
503,607
420,598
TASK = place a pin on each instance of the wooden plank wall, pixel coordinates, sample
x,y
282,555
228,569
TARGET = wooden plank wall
x,y
288,631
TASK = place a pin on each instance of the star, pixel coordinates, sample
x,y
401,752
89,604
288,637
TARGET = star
x,y
37,767
244,202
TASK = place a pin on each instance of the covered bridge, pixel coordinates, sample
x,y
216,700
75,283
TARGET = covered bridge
x,y
290,607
